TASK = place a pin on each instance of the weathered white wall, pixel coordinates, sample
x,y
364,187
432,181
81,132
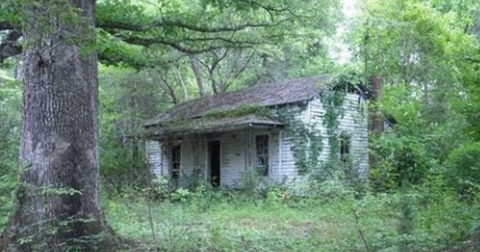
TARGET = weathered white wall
x,y
287,168
237,153
353,122
187,157
237,148
232,162
154,157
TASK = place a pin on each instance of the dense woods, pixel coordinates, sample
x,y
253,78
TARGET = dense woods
x,y
79,78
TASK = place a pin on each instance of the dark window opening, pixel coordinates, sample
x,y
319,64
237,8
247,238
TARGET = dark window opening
x,y
345,144
214,161
261,143
176,153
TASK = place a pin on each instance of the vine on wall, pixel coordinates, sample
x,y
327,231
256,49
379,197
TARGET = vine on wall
x,y
307,139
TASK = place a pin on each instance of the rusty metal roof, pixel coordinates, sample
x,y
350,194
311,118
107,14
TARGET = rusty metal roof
x,y
283,92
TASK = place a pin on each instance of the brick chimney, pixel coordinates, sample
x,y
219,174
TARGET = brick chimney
x,y
375,118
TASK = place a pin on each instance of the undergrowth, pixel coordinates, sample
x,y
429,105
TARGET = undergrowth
x,y
222,220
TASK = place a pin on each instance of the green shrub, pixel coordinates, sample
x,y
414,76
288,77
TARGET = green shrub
x,y
8,184
464,168
399,161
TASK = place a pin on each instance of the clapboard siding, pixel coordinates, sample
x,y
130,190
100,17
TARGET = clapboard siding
x,y
274,156
353,122
237,148
232,158
187,157
154,156
157,158
288,168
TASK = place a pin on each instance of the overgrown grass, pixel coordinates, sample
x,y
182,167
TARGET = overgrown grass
x,y
208,220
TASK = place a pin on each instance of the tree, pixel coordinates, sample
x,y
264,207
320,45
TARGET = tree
x,y
420,45
57,205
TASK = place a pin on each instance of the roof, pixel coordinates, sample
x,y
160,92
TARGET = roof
x,y
205,125
283,92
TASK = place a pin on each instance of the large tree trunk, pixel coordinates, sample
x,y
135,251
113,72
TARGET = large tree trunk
x,y
57,205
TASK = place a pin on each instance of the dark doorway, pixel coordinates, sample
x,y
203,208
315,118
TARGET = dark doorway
x,y
175,167
214,162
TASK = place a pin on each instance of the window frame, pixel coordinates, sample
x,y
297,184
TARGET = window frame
x,y
176,162
263,170
344,147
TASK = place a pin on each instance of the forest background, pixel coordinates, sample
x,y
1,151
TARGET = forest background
x,y
422,193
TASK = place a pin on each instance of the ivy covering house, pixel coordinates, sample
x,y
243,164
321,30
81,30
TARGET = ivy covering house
x,y
280,131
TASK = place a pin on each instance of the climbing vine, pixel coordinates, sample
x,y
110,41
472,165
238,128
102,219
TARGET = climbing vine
x,y
306,138
306,141
333,103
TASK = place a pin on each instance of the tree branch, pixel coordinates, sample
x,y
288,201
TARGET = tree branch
x,y
9,47
265,7
109,24
178,45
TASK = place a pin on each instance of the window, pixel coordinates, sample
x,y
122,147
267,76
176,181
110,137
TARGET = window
x,y
176,152
261,143
345,143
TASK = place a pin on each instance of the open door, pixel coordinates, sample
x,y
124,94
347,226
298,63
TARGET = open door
x,y
214,162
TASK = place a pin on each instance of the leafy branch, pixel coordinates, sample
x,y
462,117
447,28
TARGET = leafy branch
x,y
9,46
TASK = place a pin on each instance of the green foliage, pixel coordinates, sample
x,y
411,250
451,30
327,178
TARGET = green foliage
x,y
200,27
399,160
306,139
9,122
8,184
9,136
402,156
464,169
127,98
424,50
224,221
410,42
333,103
468,104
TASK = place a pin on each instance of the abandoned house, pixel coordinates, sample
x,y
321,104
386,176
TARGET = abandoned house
x,y
280,131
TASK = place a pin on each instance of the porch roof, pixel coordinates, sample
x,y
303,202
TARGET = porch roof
x,y
209,125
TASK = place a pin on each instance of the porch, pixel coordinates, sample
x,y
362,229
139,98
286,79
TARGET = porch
x,y
218,151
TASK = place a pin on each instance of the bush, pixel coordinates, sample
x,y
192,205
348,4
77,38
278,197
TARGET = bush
x,y
399,160
464,168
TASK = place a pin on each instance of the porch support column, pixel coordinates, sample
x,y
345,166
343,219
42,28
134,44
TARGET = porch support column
x,y
280,135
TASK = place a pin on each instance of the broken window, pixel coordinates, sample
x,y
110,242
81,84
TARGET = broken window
x,y
176,152
261,143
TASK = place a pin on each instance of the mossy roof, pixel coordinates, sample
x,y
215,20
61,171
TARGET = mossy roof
x,y
264,95
206,125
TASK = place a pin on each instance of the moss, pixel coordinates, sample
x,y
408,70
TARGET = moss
x,y
248,109
244,110
176,123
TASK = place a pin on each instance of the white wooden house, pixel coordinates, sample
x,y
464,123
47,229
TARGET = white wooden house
x,y
188,140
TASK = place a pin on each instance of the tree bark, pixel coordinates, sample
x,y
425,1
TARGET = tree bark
x,y
198,75
183,85
57,204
